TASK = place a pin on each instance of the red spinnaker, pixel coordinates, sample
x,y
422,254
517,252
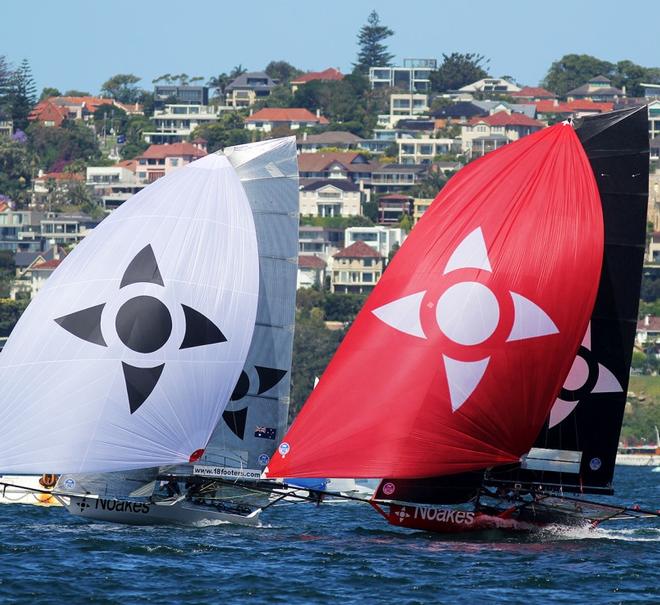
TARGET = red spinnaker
x,y
458,354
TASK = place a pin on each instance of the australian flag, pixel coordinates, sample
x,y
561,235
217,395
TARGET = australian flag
x,y
265,432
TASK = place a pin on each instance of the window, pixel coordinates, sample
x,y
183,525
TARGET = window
x,y
367,263
368,277
174,161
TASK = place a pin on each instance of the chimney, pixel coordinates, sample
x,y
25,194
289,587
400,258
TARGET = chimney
x,y
318,113
646,320
305,135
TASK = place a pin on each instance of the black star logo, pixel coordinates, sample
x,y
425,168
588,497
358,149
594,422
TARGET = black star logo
x,y
144,325
267,378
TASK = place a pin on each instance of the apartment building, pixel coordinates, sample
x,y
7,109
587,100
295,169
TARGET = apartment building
x,y
413,76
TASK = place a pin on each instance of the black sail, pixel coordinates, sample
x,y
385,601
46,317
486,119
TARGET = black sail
x,y
618,149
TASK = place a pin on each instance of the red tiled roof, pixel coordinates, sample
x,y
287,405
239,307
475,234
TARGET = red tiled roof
x,y
327,74
47,111
357,250
4,206
654,324
160,152
502,118
572,106
311,262
534,93
61,176
49,265
396,196
128,164
285,114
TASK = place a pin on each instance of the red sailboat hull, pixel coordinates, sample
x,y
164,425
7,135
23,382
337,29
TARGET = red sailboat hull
x,y
445,520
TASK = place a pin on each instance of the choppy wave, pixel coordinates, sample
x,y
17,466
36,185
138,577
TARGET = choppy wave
x,y
329,554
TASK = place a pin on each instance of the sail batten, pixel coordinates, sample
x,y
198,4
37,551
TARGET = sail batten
x,y
502,272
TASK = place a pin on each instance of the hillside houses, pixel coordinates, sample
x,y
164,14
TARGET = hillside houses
x,y
373,174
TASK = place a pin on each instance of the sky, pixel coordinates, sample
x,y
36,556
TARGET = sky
x,y
82,43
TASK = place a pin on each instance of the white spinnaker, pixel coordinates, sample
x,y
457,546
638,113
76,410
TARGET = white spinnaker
x,y
269,173
64,405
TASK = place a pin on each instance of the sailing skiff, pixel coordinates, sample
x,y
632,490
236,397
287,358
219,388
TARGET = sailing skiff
x,y
485,378
169,326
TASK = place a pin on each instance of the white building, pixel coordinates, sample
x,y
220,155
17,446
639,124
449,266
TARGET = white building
x,y
175,123
414,76
330,197
113,184
422,150
381,239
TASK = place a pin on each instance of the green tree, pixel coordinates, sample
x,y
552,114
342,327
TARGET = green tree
x,y
122,87
457,70
135,143
573,70
10,312
630,75
348,104
310,361
405,223
48,92
218,83
5,77
430,185
56,147
282,71
7,272
17,165
21,95
372,50
237,71
227,131
110,119
76,93
280,96
392,253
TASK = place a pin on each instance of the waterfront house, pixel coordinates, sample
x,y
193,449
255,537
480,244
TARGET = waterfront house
x,y
337,139
311,271
490,85
356,269
293,118
327,75
382,239
159,160
532,93
319,241
413,76
598,89
392,207
483,134
330,197
570,109
175,123
248,88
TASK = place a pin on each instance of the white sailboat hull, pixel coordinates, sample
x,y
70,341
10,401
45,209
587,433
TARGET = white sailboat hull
x,y
638,459
131,512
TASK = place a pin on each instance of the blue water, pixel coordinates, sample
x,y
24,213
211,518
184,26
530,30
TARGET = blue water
x,y
338,553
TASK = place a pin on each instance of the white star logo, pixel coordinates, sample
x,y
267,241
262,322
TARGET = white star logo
x,y
468,313
586,376
402,514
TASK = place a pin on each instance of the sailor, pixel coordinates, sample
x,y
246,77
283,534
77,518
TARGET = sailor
x,y
172,488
